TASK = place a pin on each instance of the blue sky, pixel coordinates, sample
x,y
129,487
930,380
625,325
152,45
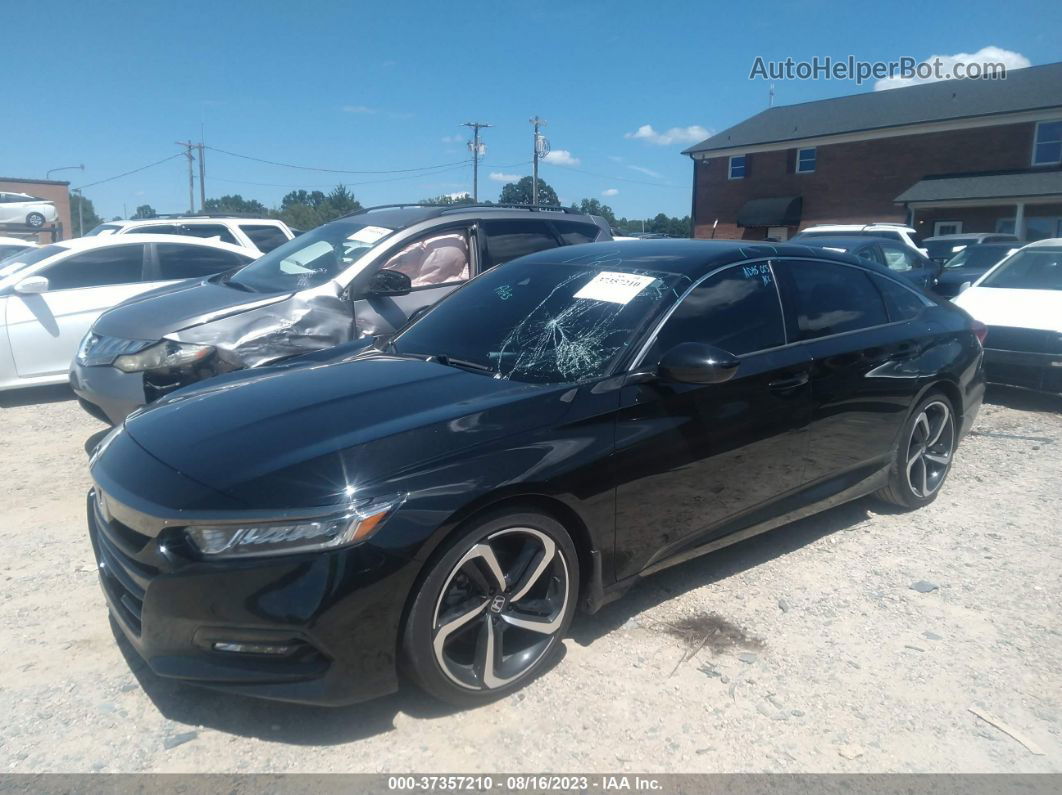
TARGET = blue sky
x,y
375,87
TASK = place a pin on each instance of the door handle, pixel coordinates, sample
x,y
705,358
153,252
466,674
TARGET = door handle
x,y
782,384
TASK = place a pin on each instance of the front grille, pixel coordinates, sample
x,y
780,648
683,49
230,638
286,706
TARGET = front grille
x,y
124,579
1025,340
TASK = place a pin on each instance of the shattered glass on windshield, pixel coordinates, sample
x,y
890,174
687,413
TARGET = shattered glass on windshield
x,y
545,323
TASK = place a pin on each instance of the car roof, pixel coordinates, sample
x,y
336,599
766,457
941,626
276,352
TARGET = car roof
x,y
16,241
692,258
401,216
964,236
191,219
878,226
87,243
846,241
1050,241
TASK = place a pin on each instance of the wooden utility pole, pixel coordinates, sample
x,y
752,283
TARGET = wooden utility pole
x,y
202,176
188,146
474,145
537,148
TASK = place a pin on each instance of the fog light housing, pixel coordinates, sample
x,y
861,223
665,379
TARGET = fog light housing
x,y
244,647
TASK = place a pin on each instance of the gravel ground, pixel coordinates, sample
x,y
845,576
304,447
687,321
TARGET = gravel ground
x,y
819,657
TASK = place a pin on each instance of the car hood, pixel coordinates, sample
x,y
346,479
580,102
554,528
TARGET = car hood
x,y
996,306
300,437
156,313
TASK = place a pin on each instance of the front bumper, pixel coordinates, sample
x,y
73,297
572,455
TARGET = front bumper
x,y
338,612
106,392
1041,372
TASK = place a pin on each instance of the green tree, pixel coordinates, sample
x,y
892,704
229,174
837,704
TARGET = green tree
x,y
87,217
145,211
595,207
520,193
235,204
303,209
448,199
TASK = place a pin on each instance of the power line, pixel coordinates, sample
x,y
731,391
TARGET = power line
x,y
357,184
336,170
127,173
623,179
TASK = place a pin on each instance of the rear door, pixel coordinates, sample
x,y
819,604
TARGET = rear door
x,y
503,240
693,460
861,386
436,263
45,329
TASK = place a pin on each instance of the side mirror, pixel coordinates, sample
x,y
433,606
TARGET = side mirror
x,y
32,285
696,363
388,282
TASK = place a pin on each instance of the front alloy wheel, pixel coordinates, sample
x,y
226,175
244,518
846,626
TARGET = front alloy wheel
x,y
500,601
924,454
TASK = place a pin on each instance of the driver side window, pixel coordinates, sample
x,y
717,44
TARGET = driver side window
x,y
441,258
736,309
898,258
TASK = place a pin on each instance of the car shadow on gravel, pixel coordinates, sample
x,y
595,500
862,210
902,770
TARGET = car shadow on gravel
x,y
276,721
34,395
720,565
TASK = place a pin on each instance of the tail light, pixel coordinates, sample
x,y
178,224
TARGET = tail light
x,y
980,330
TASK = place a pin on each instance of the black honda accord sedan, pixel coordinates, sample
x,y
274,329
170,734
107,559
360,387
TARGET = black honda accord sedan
x,y
439,502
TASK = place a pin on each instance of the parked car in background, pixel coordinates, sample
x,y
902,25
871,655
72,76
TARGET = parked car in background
x,y
21,209
969,264
259,234
907,235
361,275
546,436
50,296
942,248
900,258
1020,300
13,245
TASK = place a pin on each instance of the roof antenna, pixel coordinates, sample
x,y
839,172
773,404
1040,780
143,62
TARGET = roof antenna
x,y
770,97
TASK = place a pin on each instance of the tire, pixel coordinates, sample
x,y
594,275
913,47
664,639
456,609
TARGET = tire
x,y
919,469
35,220
462,618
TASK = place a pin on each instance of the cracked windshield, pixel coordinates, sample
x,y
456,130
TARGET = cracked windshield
x,y
543,322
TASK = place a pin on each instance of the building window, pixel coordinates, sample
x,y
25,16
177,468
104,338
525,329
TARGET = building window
x,y
737,167
805,161
1047,147
947,227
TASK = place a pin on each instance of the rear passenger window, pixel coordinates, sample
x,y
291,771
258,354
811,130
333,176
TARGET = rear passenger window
x,y
99,268
901,303
899,258
832,299
219,231
870,253
507,240
265,236
736,309
178,261
573,233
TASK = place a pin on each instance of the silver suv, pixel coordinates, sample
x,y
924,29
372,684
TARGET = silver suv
x,y
359,276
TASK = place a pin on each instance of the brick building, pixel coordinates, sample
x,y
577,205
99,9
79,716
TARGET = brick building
x,y
55,191
953,156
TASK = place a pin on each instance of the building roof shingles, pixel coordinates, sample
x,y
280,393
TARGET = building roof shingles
x,y
985,186
1032,88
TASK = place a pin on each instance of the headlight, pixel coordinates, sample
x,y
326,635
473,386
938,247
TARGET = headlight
x,y
277,538
166,355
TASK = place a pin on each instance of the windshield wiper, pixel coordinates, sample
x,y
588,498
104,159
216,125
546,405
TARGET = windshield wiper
x,y
450,361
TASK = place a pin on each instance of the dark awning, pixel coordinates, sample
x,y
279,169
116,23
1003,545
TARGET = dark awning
x,y
780,211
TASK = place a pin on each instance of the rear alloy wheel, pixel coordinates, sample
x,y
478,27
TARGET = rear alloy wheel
x,y
924,455
35,220
493,609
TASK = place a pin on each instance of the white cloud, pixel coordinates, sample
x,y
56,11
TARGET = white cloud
x,y
647,171
610,192
365,109
990,54
676,135
561,157
462,195
452,139
498,176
